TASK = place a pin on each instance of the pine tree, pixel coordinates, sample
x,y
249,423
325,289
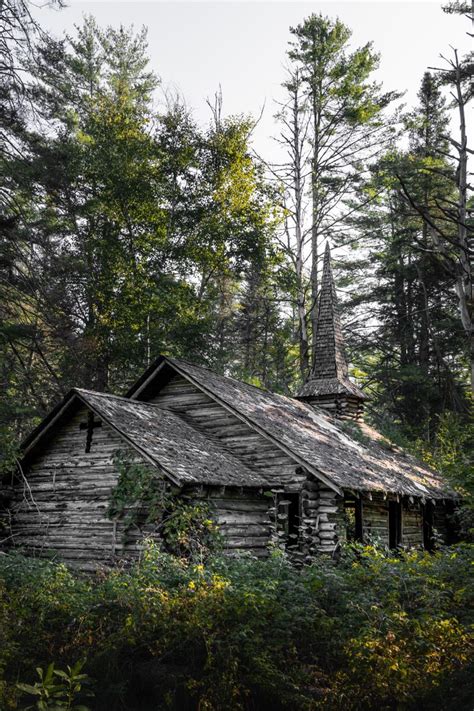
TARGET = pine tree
x,y
346,128
411,347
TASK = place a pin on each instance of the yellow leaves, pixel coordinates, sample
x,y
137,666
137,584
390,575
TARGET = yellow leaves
x,y
84,139
219,583
207,587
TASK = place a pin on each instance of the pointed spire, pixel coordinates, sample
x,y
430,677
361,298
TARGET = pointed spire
x,y
329,360
328,384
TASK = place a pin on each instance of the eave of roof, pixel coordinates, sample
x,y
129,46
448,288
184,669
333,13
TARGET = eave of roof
x,y
330,386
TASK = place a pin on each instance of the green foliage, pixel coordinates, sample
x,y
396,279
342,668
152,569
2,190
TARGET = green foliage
x,y
139,495
57,689
452,452
135,232
189,529
371,632
140,498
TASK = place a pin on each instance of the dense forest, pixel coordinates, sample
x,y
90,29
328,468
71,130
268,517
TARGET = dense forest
x,y
129,229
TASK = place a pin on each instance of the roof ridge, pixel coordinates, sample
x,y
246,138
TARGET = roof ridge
x,y
264,391
221,375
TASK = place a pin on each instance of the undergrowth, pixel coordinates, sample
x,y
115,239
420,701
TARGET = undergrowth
x,y
374,631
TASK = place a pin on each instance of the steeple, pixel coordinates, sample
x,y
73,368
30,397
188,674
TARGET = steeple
x,y
328,384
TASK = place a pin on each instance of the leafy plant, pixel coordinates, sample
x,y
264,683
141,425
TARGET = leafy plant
x,y
374,631
189,529
140,498
58,689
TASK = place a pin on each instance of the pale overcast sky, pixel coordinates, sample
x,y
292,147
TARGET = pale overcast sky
x,y
197,46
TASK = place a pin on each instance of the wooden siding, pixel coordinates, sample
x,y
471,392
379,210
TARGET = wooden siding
x,y
243,517
61,508
323,523
412,524
182,397
375,519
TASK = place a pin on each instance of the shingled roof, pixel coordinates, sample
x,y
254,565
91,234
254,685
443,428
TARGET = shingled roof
x,y
329,374
345,456
163,438
358,458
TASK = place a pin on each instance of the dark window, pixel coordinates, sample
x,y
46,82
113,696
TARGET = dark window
x,y
289,517
428,540
353,515
394,523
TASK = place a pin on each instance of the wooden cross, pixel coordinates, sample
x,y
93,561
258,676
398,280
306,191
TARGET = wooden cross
x,y
90,426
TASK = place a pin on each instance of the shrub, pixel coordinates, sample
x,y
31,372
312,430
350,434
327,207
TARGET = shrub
x,y
374,631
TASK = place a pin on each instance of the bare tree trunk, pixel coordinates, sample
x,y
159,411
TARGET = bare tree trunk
x,y
316,94
294,117
298,187
465,278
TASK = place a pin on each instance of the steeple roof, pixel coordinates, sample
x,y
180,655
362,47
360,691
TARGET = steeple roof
x,y
329,374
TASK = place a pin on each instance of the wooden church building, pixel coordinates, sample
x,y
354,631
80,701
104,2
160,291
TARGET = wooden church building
x,y
305,473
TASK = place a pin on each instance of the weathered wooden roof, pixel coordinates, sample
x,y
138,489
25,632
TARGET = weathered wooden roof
x,y
358,459
329,374
344,455
163,438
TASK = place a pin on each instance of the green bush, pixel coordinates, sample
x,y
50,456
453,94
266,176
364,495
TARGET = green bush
x,y
373,631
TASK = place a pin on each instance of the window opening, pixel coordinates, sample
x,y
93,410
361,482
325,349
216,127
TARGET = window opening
x,y
289,517
394,524
354,520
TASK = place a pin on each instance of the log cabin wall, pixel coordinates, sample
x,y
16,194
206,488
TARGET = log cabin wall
x,y
181,396
412,524
324,525
440,522
242,515
322,518
344,407
62,509
375,520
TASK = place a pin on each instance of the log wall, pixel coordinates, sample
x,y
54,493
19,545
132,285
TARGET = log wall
x,y
322,519
60,507
243,517
375,519
344,407
323,523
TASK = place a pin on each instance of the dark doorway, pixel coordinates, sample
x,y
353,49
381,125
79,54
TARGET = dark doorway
x,y
428,539
394,524
353,514
289,517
